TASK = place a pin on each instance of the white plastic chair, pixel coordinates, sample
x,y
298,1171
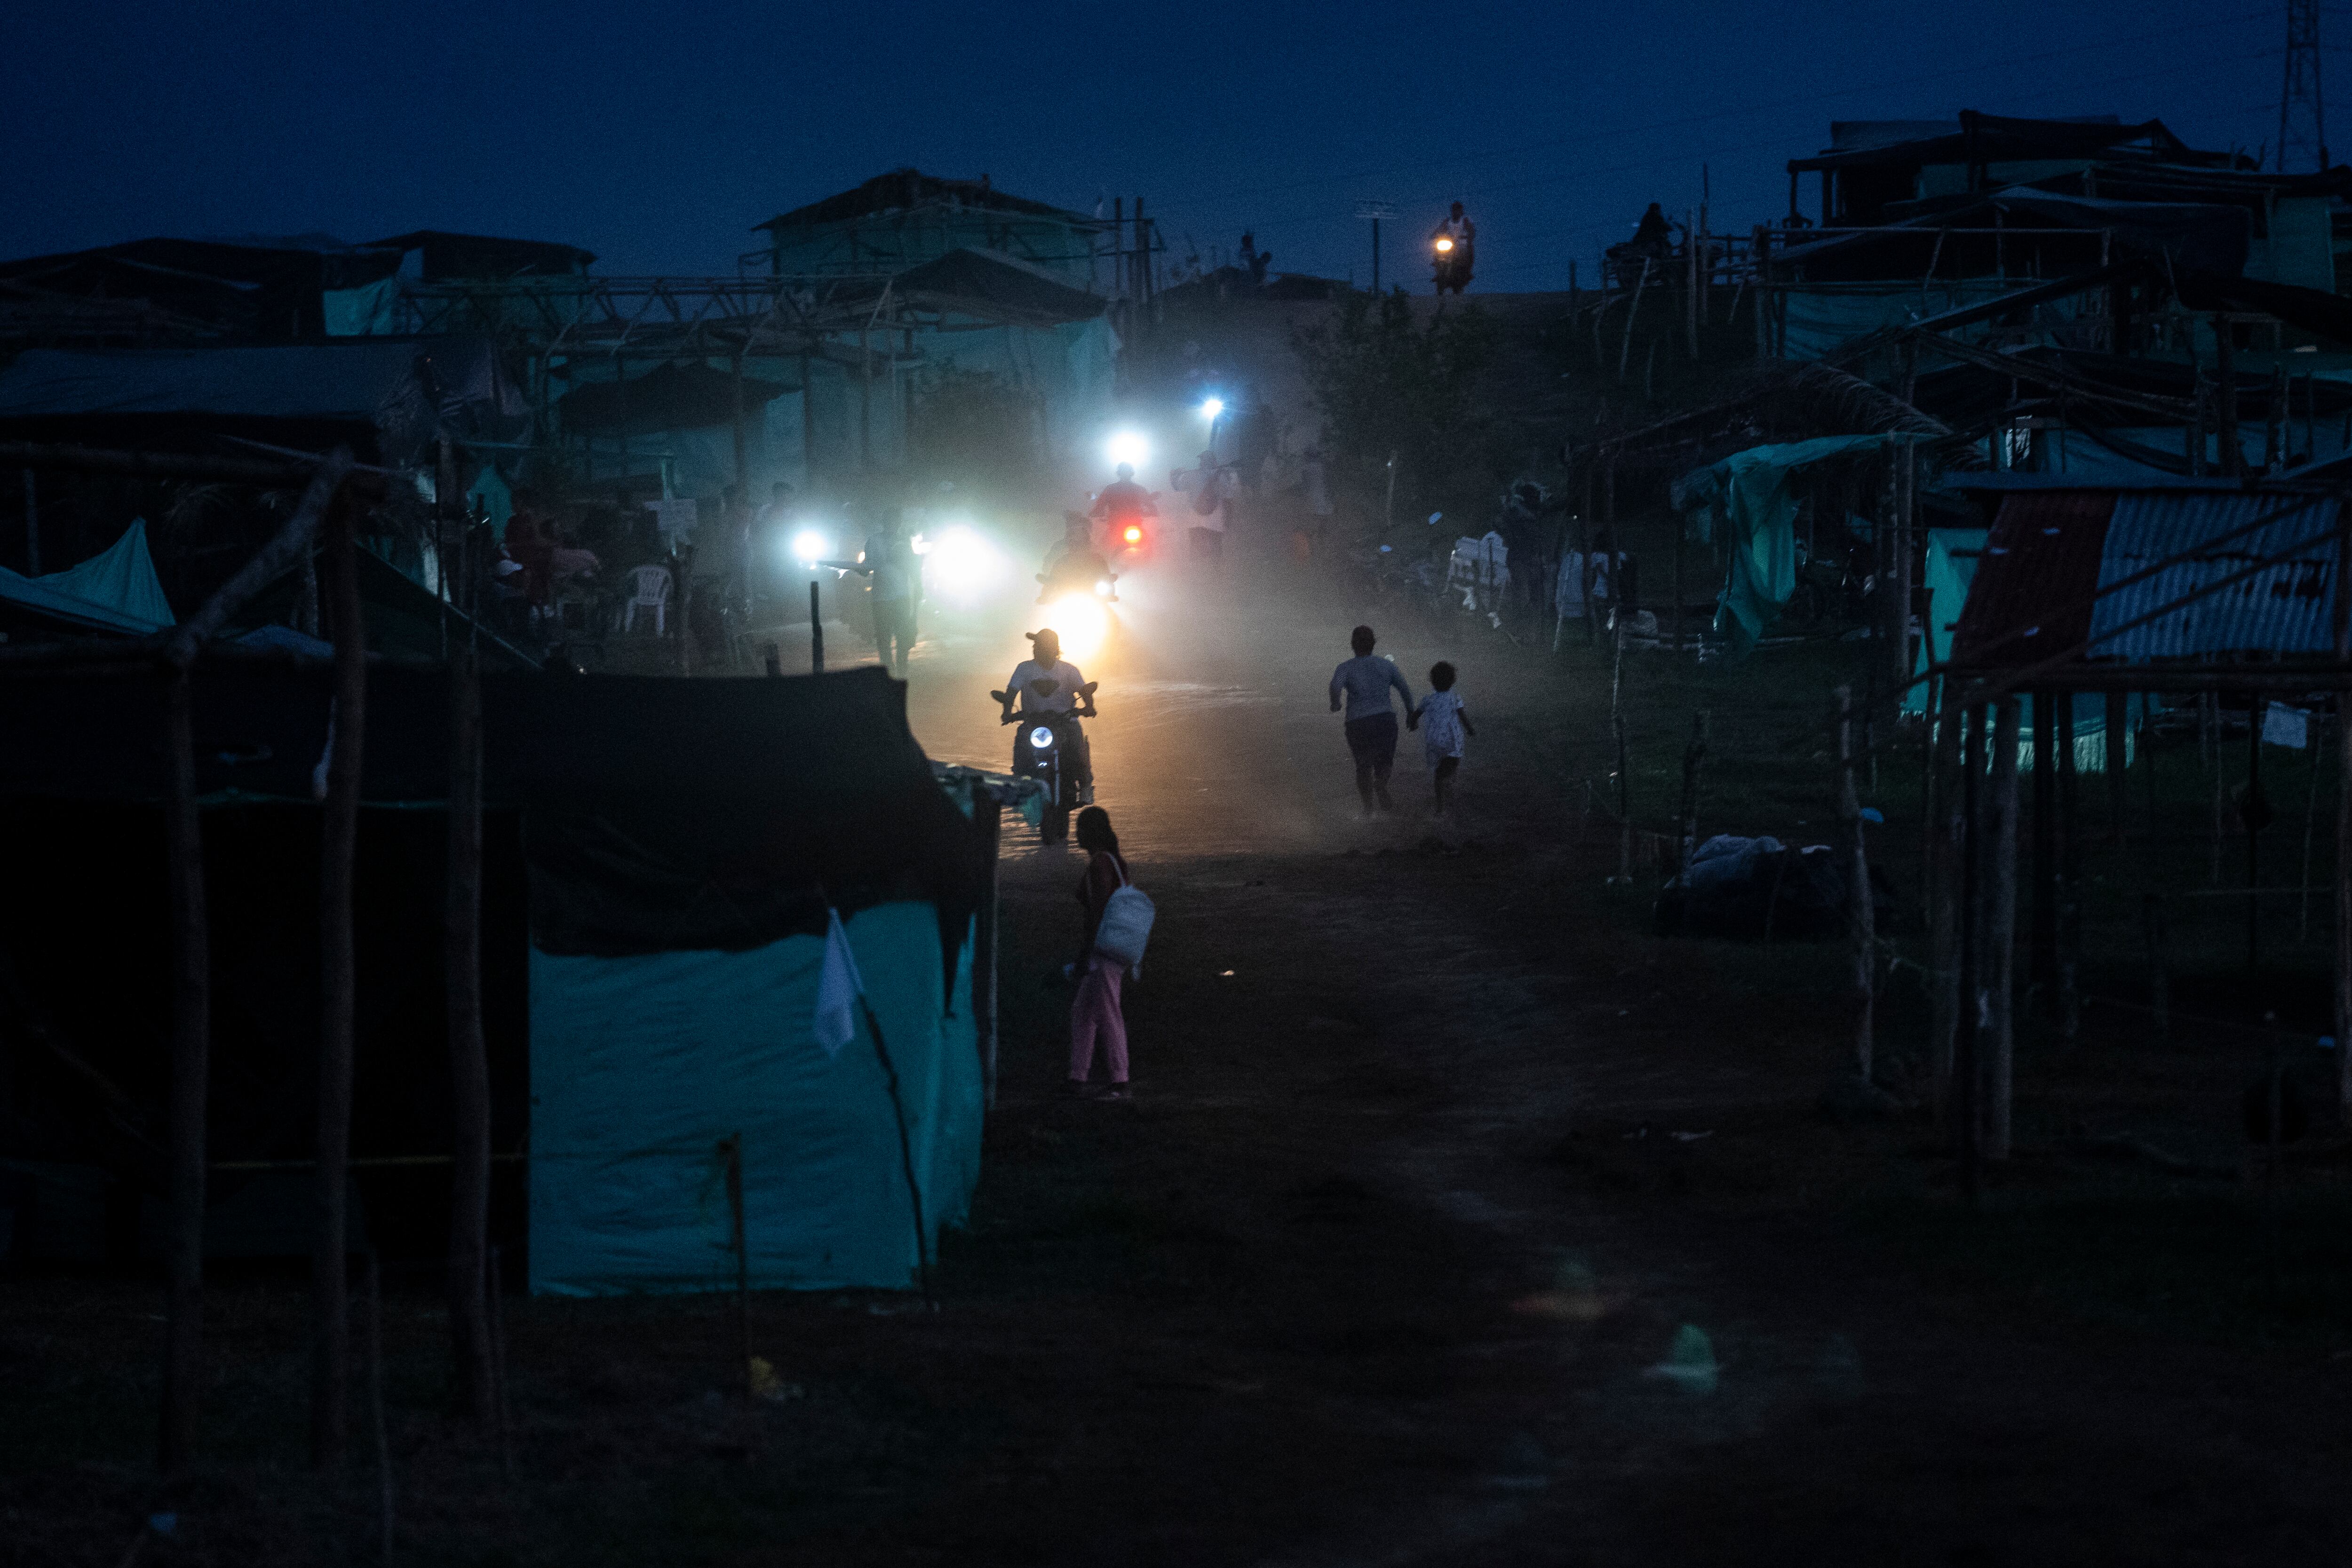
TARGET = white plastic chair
x,y
653,585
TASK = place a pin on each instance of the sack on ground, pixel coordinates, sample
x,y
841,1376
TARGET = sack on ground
x,y
1126,926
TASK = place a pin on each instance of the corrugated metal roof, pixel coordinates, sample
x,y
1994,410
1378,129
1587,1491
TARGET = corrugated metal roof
x,y
2284,609
2041,563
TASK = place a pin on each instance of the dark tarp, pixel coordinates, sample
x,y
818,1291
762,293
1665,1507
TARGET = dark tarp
x,y
754,791
260,290
670,396
391,397
485,258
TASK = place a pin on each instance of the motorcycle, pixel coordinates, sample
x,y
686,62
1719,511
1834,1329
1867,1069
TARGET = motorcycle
x,y
1449,263
1077,595
1041,750
1833,586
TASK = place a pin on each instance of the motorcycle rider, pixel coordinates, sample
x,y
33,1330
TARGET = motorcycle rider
x,y
1123,503
1454,266
1073,561
1045,663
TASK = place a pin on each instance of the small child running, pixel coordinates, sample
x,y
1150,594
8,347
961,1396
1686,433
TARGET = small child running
x,y
1442,723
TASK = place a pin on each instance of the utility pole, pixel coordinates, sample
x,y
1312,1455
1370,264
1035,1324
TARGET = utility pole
x,y
1376,211
2302,120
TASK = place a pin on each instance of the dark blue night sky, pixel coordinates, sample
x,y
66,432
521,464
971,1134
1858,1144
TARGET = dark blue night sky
x,y
656,135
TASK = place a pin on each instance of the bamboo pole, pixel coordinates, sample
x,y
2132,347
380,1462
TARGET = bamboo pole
x,y
1694,755
469,1075
330,1282
1617,728
375,1409
2068,952
2001,936
2340,618
191,1066
1968,1067
2118,706
1861,918
1632,309
1945,836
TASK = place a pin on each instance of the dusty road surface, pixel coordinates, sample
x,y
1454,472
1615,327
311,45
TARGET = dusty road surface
x,y
1434,1161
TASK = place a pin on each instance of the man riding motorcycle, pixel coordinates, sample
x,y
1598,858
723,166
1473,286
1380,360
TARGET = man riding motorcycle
x,y
1043,664
1127,509
1454,247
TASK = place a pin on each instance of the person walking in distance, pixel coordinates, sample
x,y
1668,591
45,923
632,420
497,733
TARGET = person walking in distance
x,y
1095,1016
1363,684
1444,723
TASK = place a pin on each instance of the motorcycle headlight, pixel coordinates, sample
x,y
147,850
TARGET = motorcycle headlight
x,y
1135,536
1041,739
1443,246
1102,590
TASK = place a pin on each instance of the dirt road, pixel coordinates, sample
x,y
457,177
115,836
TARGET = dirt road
x,y
1434,1161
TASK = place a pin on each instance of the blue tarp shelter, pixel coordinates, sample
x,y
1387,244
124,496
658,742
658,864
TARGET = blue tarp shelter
x,y
113,591
655,928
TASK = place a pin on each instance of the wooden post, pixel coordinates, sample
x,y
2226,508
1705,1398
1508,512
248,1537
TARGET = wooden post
x,y
1679,529
375,1409
987,822
731,1152
1861,918
2225,404
817,633
469,1073
1632,309
2251,821
2159,980
2001,935
2042,967
1691,276
742,469
191,1066
32,527
2316,746
1944,835
1968,1067
1692,755
330,1280
2068,951
2118,763
1584,548
1617,728
685,609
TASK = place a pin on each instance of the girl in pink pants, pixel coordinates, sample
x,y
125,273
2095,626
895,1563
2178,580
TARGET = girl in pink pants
x,y
1095,1012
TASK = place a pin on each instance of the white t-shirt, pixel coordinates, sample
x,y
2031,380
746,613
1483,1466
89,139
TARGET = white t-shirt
x,y
1065,695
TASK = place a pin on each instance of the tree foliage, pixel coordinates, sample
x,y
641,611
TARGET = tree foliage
x,y
973,428
1387,385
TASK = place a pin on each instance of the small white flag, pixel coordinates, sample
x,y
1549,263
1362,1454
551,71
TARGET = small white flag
x,y
838,988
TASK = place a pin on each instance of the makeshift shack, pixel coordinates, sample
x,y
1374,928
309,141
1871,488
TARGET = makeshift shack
x,y
662,858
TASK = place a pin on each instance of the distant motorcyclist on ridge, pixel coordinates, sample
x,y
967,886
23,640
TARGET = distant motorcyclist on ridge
x,y
1454,250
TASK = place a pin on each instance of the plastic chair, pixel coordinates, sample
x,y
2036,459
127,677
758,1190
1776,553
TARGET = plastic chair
x,y
653,584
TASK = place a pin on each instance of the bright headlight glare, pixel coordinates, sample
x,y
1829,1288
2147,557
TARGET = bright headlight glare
x,y
1211,409
1040,738
1127,447
810,545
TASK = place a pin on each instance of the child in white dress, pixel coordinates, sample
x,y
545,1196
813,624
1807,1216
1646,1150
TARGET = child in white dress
x,y
1444,722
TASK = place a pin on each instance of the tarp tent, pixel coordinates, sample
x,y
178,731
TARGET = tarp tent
x,y
114,591
676,848
1749,502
